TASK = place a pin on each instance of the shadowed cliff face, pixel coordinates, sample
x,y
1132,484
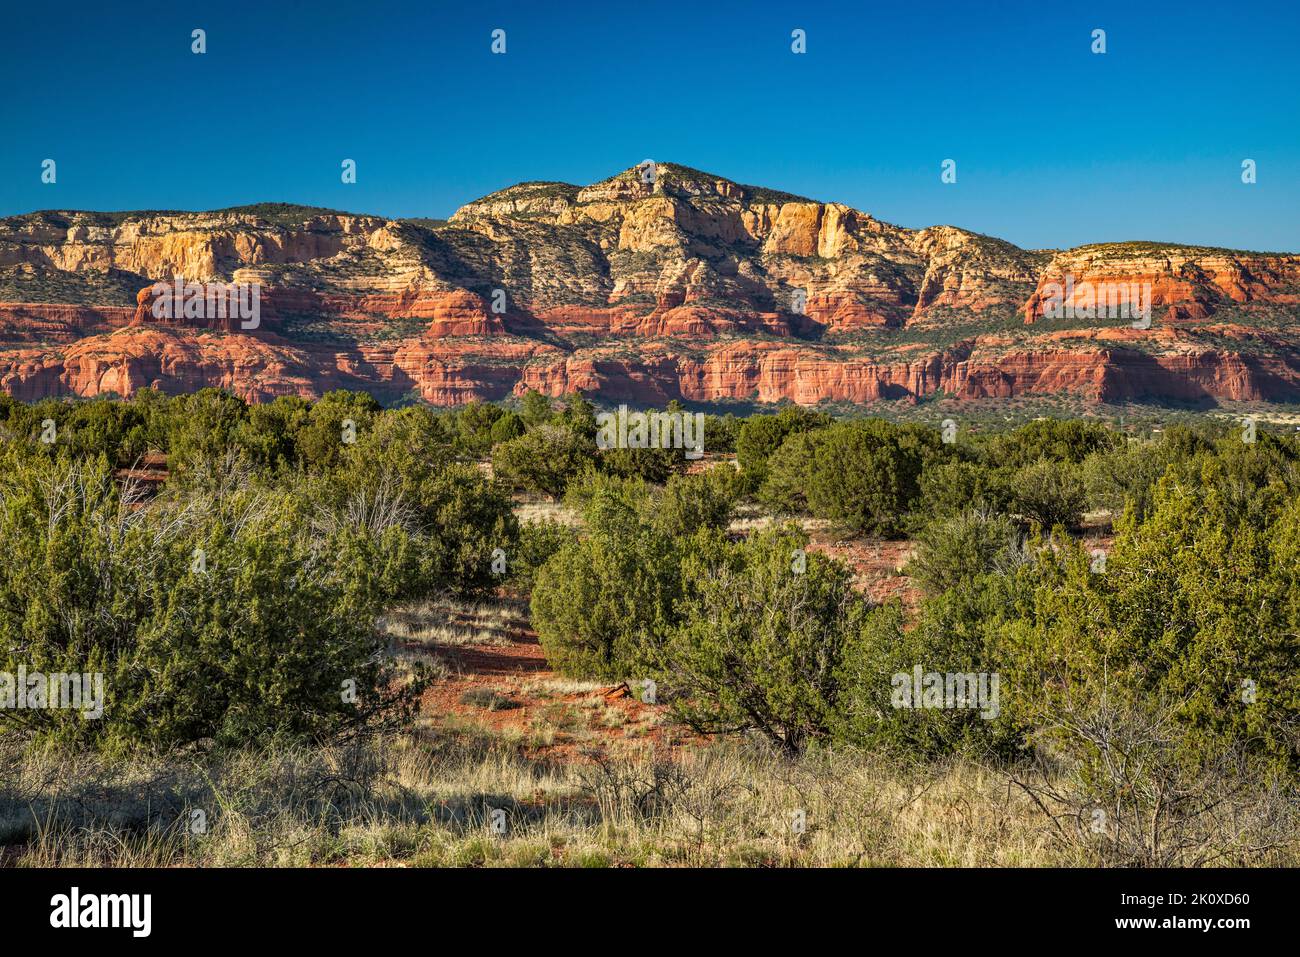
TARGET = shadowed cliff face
x,y
690,286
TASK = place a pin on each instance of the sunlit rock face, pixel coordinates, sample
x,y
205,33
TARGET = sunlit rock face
x,y
680,285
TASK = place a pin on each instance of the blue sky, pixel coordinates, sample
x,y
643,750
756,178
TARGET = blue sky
x,y
1055,146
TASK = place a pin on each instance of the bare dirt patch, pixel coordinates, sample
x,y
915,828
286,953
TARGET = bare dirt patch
x,y
877,566
503,687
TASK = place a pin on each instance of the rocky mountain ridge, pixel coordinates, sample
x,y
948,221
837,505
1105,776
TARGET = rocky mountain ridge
x,y
691,287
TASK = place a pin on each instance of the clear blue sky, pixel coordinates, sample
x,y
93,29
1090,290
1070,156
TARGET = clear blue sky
x,y
1055,146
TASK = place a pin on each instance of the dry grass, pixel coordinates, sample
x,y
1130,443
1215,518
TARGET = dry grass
x,y
489,699
409,801
751,518
557,687
455,623
545,511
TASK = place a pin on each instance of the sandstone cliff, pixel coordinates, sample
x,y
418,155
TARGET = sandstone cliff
x,y
691,287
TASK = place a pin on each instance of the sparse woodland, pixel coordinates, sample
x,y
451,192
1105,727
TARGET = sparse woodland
x,y
272,623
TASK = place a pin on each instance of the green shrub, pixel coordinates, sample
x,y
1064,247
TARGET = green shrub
x,y
475,424
1199,606
508,426
224,618
466,519
1055,440
326,435
961,632
785,488
693,502
544,460
650,465
951,486
721,433
759,639
596,601
865,476
535,409
761,435
954,550
538,542
583,494
1049,494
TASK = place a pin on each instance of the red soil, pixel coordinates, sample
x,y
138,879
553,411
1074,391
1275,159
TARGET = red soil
x,y
605,718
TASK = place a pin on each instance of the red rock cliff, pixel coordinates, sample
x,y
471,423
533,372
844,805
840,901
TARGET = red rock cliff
x,y
690,287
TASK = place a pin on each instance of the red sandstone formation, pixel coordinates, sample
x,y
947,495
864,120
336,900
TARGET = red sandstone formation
x,y
695,288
